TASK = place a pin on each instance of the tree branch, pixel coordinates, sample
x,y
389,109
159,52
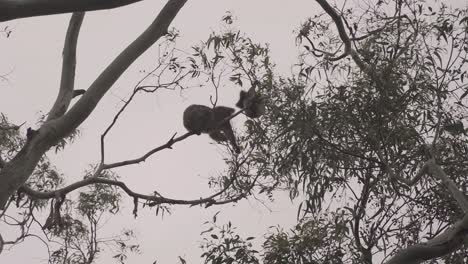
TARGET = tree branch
x,y
18,170
445,243
344,37
451,239
86,104
437,172
97,180
1,243
14,9
409,182
67,82
167,145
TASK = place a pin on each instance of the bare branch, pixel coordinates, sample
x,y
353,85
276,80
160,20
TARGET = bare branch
x,y
14,9
137,89
167,145
67,82
344,37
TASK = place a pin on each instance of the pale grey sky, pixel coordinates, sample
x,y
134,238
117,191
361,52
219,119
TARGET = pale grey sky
x,y
33,56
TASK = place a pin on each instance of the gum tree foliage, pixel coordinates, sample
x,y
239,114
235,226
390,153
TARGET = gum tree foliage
x,y
368,131
37,201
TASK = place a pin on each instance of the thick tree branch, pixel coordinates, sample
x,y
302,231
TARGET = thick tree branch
x,y
155,198
409,182
67,82
86,104
14,9
450,240
210,200
437,172
17,171
445,243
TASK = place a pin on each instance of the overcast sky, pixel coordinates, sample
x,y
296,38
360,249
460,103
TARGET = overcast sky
x,y
32,57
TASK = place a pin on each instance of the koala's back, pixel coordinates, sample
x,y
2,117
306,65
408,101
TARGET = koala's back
x,y
198,118
221,112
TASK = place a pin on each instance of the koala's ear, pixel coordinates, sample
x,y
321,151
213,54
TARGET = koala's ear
x,y
251,93
242,98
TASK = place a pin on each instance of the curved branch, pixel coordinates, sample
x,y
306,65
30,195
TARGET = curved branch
x,y
96,180
68,68
459,196
343,36
445,243
14,9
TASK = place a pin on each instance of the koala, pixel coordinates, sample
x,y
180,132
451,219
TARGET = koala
x,y
252,103
200,119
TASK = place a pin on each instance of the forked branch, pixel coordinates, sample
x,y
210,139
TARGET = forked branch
x,y
67,82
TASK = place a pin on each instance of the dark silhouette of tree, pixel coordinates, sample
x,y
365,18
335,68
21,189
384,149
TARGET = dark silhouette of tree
x,y
368,131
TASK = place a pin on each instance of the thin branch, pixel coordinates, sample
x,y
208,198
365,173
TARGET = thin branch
x,y
343,36
138,87
344,151
67,82
114,120
167,145
14,127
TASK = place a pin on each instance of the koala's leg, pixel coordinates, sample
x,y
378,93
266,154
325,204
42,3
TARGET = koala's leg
x,y
229,134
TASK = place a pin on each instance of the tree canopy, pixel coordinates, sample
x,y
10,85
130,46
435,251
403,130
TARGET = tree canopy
x,y
367,132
